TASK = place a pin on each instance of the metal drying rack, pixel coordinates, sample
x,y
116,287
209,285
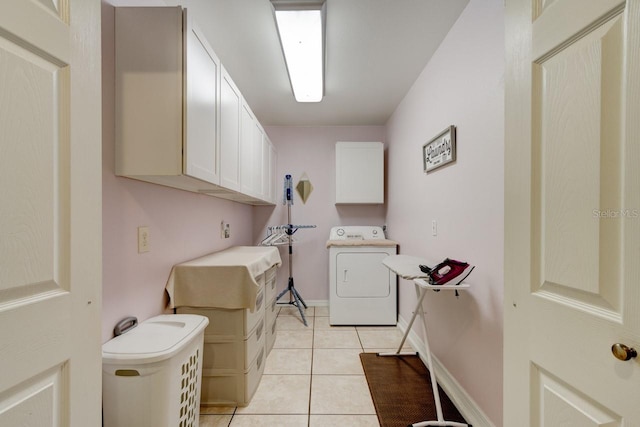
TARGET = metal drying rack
x,y
283,235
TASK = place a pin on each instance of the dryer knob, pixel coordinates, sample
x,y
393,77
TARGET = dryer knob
x,y
340,232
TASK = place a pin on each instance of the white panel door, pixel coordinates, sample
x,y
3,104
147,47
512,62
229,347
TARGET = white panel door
x,y
50,213
202,71
247,126
572,212
230,102
266,165
258,164
273,162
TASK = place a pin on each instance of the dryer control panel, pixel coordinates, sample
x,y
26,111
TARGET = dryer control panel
x,y
357,232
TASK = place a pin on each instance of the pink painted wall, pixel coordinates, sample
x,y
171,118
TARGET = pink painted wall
x,y
182,225
462,85
311,150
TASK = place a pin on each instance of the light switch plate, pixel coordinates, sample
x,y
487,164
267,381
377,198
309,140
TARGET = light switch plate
x,y
143,239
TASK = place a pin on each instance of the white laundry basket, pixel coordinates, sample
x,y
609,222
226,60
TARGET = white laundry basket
x,y
151,375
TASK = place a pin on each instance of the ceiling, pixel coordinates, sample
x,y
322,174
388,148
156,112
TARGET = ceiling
x,y
375,50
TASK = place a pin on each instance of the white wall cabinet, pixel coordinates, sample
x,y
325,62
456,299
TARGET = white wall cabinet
x,y
178,113
359,173
166,99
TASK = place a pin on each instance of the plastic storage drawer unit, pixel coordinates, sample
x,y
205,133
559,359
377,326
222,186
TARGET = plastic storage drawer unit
x,y
151,375
234,355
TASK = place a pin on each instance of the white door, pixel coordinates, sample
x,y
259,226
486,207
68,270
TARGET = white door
x,y
258,154
230,101
247,126
202,88
572,212
50,213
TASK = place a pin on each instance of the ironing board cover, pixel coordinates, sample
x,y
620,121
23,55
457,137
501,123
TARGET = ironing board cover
x,y
406,266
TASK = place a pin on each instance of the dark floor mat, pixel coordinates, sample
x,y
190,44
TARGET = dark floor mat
x,y
401,391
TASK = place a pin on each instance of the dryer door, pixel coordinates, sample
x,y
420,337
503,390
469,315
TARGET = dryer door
x,y
362,274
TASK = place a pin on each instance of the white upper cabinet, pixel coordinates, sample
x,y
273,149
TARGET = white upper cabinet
x,y
148,92
230,104
359,173
180,119
201,115
163,80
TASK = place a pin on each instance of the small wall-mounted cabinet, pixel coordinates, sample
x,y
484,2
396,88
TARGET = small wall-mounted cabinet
x,y
359,173
179,116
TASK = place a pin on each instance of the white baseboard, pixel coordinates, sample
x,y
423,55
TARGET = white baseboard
x,y
317,303
310,303
465,404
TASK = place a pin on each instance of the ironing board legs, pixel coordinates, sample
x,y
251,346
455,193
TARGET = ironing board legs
x,y
399,352
294,299
420,293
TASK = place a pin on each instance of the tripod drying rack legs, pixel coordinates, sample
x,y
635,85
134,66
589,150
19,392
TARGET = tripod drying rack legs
x,y
294,299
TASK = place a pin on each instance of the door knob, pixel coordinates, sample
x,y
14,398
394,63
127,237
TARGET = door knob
x,y
622,352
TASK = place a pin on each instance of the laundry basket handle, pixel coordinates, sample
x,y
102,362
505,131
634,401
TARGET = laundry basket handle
x,y
125,325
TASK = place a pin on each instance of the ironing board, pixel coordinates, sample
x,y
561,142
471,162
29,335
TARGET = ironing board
x,y
408,268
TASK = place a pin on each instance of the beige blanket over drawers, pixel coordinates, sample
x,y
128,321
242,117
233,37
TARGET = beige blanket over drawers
x,y
224,279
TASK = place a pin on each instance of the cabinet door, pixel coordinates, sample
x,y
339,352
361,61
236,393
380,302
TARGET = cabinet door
x,y
266,187
202,70
258,161
247,123
270,176
230,104
149,53
359,172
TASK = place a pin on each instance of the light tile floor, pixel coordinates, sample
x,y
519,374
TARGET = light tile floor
x,y
313,376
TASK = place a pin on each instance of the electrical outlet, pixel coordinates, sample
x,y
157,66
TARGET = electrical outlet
x,y
143,239
434,227
225,230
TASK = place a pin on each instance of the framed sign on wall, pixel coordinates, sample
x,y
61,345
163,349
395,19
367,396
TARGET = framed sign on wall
x,y
440,150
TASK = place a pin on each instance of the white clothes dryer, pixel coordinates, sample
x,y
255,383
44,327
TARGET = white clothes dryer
x,y
362,291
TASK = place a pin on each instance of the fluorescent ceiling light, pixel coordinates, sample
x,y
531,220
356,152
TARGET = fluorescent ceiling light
x,y
301,30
